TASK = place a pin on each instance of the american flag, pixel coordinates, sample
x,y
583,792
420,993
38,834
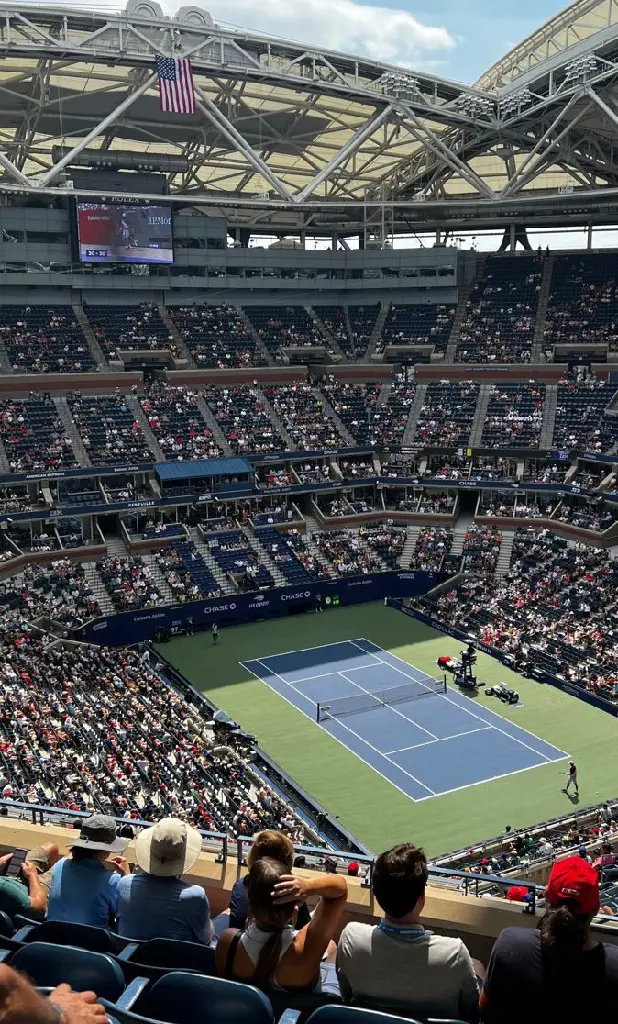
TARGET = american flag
x,y
176,89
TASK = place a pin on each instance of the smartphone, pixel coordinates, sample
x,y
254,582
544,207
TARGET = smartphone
x,y
15,863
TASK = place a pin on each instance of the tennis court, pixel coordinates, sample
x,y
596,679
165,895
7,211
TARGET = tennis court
x,y
427,743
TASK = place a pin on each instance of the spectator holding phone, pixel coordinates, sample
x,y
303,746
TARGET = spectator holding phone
x,y
15,896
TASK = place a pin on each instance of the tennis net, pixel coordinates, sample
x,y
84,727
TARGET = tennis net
x,y
341,706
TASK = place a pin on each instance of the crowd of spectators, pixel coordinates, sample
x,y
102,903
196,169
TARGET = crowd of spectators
x,y
587,515
583,302
129,329
580,421
418,325
481,549
440,503
282,327
432,544
34,436
301,410
514,416
447,414
109,429
177,423
346,552
242,416
362,323
130,582
217,336
45,339
499,322
387,540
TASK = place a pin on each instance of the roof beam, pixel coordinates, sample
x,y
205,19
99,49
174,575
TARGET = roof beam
x,y
111,118
223,125
346,151
423,134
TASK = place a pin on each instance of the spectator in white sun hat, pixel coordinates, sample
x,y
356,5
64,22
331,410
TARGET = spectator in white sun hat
x,y
156,903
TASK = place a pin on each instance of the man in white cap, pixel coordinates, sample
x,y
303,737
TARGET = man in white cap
x,y
156,903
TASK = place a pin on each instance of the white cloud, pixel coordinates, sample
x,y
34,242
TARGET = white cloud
x,y
385,33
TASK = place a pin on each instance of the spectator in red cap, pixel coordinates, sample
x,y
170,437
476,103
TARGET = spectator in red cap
x,y
557,972
353,869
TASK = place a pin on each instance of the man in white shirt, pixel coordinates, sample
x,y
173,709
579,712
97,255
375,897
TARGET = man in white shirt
x,y
399,965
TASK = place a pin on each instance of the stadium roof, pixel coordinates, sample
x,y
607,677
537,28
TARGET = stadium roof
x,y
280,123
202,469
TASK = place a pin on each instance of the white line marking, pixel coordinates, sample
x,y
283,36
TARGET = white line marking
x,y
300,650
324,675
481,782
443,696
348,729
464,697
400,750
389,707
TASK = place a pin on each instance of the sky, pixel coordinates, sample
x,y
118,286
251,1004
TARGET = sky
x,y
456,39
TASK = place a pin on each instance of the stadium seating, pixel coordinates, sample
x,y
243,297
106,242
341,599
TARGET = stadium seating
x,y
514,416
178,424
334,320
418,325
580,420
284,326
302,414
108,429
583,302
362,323
498,325
241,414
34,436
354,405
447,414
235,556
45,339
128,328
432,545
216,336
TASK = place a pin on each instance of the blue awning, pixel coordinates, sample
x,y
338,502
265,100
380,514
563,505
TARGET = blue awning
x,y
202,469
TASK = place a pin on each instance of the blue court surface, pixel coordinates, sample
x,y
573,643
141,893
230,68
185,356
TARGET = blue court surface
x,y
431,744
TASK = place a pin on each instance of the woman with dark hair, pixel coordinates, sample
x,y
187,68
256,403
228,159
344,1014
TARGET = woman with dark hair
x,y
278,846
271,952
557,972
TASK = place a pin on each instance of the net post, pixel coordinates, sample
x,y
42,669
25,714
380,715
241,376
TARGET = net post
x,y
445,686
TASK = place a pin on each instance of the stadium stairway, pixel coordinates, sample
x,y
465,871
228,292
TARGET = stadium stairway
x,y
5,362
385,392
209,561
506,549
72,432
464,295
408,548
274,418
133,403
93,345
263,555
541,312
459,534
546,436
328,337
4,462
314,527
260,347
330,412
98,587
480,415
158,578
415,412
212,425
177,337
376,334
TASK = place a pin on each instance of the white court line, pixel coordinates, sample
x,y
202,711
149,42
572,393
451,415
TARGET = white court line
x,y
324,675
440,739
443,696
493,778
302,650
361,738
390,707
462,696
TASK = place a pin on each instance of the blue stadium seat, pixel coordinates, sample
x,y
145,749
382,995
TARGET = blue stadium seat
x,y
352,1015
64,933
157,957
186,998
48,966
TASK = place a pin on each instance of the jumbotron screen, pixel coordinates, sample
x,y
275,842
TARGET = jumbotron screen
x,y
125,233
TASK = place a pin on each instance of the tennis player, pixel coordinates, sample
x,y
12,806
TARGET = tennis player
x,y
215,633
572,779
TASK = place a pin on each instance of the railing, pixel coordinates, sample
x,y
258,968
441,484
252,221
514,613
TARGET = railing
x,y
41,814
